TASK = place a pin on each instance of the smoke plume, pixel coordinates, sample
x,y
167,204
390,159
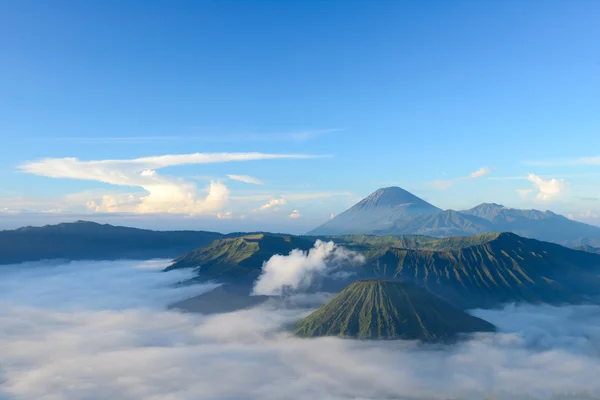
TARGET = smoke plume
x,y
297,270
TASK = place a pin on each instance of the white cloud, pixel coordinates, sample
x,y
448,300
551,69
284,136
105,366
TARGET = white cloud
x,y
271,205
444,184
297,270
480,172
163,194
246,179
295,214
331,216
524,192
100,331
547,189
588,214
225,215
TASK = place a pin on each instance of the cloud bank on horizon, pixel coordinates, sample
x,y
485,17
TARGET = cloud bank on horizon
x,y
105,337
140,189
161,194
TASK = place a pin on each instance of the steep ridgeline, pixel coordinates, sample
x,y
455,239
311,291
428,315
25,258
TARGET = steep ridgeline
x,y
468,271
240,259
383,309
92,241
588,249
223,299
378,211
541,225
500,268
406,214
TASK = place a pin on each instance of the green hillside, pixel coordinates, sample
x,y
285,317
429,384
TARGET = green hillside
x,y
494,269
469,271
239,258
383,309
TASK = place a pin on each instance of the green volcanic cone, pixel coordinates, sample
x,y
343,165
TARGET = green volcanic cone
x,y
387,309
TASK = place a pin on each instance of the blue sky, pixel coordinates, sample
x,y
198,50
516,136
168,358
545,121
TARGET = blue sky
x,y
459,102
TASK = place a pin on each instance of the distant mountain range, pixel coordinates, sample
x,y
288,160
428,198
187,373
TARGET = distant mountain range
x,y
484,270
394,211
91,241
384,309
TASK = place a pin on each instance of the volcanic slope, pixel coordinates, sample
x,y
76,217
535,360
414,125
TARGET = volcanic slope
x,y
385,309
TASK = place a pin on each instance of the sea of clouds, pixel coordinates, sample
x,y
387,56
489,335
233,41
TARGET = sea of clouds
x,y
100,330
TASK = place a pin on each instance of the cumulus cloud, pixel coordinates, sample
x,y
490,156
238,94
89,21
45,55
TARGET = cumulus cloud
x,y
480,172
162,194
297,270
225,215
99,331
444,184
272,204
245,179
295,214
547,189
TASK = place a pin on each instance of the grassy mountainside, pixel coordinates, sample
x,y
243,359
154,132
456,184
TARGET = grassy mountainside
x,y
239,258
92,241
469,271
494,269
382,309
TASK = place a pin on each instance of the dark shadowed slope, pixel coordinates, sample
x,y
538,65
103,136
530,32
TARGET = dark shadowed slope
x,y
91,241
225,298
378,211
382,309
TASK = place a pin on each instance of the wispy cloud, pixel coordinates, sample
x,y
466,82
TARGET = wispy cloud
x,y
245,179
271,205
302,135
444,184
162,194
595,160
480,172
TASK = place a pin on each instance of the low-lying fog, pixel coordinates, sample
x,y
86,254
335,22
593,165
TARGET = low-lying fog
x,y
99,330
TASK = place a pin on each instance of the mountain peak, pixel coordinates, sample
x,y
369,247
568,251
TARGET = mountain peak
x,y
389,309
377,211
391,197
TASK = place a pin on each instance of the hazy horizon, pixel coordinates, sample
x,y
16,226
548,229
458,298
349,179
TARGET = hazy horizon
x,y
273,116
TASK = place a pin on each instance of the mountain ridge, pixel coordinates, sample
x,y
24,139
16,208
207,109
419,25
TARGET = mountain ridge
x,y
479,271
86,240
483,218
